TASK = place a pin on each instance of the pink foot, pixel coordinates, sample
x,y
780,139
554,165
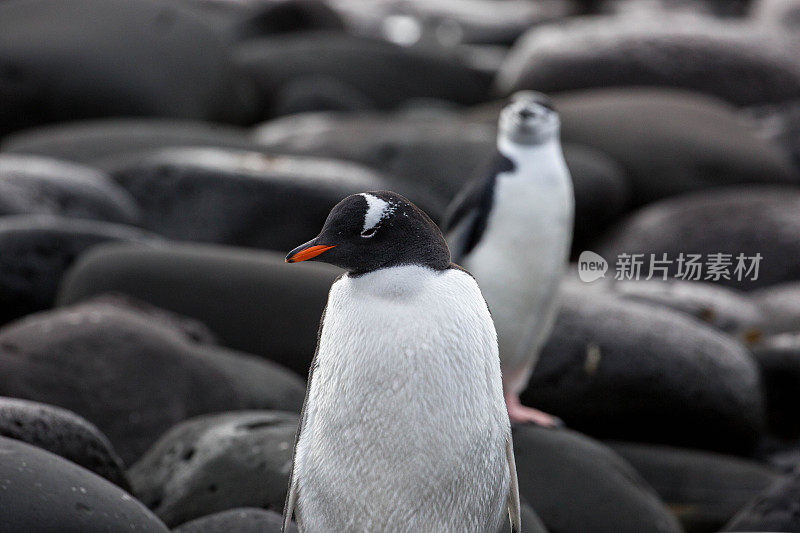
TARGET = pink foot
x,y
520,414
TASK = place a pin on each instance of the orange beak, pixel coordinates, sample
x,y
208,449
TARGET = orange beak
x,y
307,253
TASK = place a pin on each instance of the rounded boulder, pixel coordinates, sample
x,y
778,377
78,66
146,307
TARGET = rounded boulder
x,y
716,231
239,198
63,433
692,385
132,375
43,492
215,463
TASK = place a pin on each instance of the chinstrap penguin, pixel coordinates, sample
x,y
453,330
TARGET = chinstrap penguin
x,y
513,230
404,426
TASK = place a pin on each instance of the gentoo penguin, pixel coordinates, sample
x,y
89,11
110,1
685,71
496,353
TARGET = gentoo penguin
x,y
404,426
513,230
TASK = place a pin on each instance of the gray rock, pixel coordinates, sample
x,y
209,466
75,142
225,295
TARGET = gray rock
x,y
242,520
774,510
239,198
93,142
576,484
43,492
781,306
776,14
630,371
726,309
132,375
260,305
36,250
248,19
779,360
63,433
215,463
44,186
703,489
780,454
143,58
430,154
728,8
666,50
321,71
780,125
717,222
671,142
192,330
442,23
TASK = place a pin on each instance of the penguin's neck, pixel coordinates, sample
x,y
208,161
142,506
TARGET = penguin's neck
x,y
536,193
534,161
393,282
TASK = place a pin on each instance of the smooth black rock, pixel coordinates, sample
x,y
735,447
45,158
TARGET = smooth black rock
x,y
698,53
737,221
671,142
726,8
36,250
128,58
191,329
321,71
253,301
131,374
780,304
239,198
42,492
44,186
774,510
243,520
776,14
248,19
94,142
63,433
429,154
576,484
780,124
217,462
703,489
724,308
434,23
625,370
780,454
779,359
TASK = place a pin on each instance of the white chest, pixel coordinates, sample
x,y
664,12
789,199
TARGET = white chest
x,y
406,398
530,225
409,332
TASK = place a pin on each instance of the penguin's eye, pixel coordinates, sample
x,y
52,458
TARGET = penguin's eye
x,y
369,233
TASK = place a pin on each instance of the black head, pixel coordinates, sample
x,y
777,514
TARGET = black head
x,y
373,230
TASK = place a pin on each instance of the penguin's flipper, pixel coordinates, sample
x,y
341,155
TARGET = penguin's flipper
x,y
513,490
288,508
291,495
467,214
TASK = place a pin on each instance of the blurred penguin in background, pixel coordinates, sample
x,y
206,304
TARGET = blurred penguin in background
x,y
513,230
404,426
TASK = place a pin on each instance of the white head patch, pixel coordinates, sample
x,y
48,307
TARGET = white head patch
x,y
377,210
